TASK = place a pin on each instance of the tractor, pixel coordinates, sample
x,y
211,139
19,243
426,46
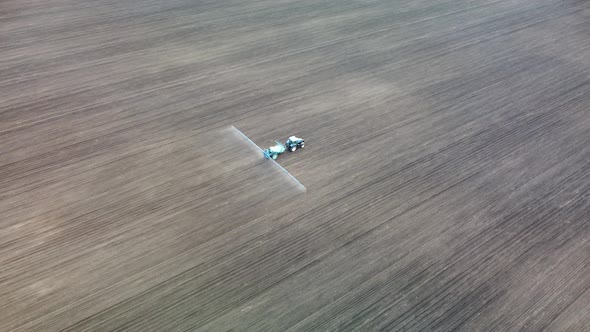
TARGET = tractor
x,y
294,143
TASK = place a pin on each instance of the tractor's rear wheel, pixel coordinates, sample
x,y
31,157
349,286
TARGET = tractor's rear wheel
x,y
274,157
302,145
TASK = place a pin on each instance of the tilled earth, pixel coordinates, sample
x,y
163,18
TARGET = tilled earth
x,y
446,166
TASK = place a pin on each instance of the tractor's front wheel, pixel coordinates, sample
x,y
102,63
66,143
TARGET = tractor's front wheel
x,y
293,148
302,145
274,157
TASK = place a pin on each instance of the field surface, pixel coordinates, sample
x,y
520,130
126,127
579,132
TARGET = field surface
x,y
446,166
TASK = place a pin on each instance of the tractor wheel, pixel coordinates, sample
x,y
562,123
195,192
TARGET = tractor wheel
x,y
293,148
274,157
302,145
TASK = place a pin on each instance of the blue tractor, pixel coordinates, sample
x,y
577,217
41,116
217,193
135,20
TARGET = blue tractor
x,y
292,144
